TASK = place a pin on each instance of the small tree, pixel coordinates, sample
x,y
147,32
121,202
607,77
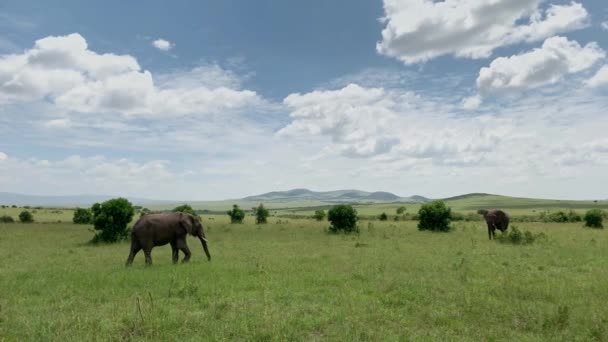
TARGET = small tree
x,y
82,216
401,210
261,214
383,217
144,211
593,218
343,218
434,216
26,217
237,215
6,219
111,218
319,215
185,208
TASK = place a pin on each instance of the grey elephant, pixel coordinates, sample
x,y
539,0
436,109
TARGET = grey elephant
x,y
160,229
495,219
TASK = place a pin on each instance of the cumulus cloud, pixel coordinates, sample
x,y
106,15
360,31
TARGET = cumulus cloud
x,y
374,122
472,102
605,25
420,30
599,79
3,156
354,117
162,44
549,64
100,174
64,71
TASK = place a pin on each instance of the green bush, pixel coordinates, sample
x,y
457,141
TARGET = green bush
x,y
6,219
573,216
517,237
594,218
319,215
343,218
261,214
401,210
237,215
26,217
560,216
383,217
434,216
454,216
82,216
144,211
111,218
184,208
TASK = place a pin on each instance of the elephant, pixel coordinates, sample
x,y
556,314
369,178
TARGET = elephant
x,y
160,229
496,219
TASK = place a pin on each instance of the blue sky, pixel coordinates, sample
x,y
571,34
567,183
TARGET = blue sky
x,y
212,100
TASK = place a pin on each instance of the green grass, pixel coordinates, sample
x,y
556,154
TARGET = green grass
x,y
470,204
291,281
44,215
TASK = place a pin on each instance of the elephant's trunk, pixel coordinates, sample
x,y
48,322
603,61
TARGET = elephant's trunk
x,y
204,243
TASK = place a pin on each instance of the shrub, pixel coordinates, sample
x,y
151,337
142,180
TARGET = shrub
x,y
6,219
184,208
383,217
261,214
343,218
82,216
401,210
434,216
237,215
319,215
144,211
26,217
454,216
560,216
517,237
593,218
573,216
111,218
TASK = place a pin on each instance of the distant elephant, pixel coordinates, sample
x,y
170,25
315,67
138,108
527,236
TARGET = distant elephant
x,y
495,219
160,229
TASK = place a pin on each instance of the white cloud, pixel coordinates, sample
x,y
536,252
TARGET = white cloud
x,y
472,102
605,25
548,64
368,122
420,30
3,156
163,44
64,71
599,79
101,175
354,117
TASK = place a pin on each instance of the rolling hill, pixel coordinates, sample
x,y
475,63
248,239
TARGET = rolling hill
x,y
349,196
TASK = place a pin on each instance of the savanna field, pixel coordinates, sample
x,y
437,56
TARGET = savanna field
x,y
289,280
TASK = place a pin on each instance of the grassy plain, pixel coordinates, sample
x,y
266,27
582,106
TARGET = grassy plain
x,y
289,280
470,204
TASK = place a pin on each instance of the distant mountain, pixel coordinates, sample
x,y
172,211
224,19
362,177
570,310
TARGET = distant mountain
x,y
333,196
7,198
474,194
304,195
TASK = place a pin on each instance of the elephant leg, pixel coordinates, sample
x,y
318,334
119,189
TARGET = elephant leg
x,y
175,252
489,232
184,248
135,248
148,254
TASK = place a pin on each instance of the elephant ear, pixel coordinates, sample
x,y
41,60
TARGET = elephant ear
x,y
186,223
